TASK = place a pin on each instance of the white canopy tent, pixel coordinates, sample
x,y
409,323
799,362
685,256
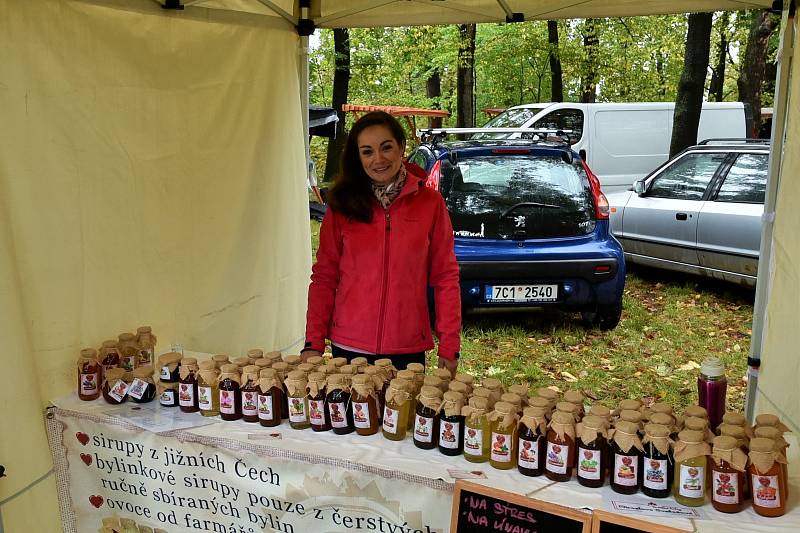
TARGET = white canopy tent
x,y
152,168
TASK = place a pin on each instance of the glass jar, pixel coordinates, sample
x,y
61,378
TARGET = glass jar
x,y
282,370
560,455
143,386
296,384
208,388
532,445
601,411
167,394
109,355
426,423
147,345
339,402
712,387
128,351
115,388
576,398
254,355
397,409
187,385
625,459
766,478
486,394
728,464
387,368
694,423
513,399
569,408
691,461
169,367
88,375
445,376
379,382
219,360
249,393
318,413
657,461
365,404
230,399
434,381
467,380
477,431
270,398
496,389
776,435
451,424
503,420
591,451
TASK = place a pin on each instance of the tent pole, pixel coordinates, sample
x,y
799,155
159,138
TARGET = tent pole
x,y
303,74
764,280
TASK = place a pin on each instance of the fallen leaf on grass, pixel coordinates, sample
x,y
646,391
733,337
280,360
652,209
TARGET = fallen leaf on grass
x,y
589,394
568,377
691,365
663,370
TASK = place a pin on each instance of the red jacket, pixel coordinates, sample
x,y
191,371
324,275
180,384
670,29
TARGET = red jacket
x,y
369,285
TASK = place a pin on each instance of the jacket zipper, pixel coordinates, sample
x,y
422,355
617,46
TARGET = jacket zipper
x,y
384,288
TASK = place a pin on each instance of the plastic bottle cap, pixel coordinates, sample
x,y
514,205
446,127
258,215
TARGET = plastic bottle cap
x,y
712,367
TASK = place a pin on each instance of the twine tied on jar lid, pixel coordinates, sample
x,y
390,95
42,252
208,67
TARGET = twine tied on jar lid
x,y
569,408
398,391
170,360
691,444
430,397
316,382
535,418
250,373
737,432
726,449
364,384
563,424
476,408
268,378
764,454
590,427
626,435
296,382
231,372
658,436
773,433
188,367
506,414
453,403
375,375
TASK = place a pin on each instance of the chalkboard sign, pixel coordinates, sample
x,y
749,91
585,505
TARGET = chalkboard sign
x,y
478,508
605,522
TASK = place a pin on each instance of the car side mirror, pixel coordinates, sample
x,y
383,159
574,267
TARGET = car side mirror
x,y
638,187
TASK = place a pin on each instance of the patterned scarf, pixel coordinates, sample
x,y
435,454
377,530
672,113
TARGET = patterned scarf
x,y
387,192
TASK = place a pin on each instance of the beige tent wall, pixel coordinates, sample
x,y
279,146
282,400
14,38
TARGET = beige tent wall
x,y
778,389
151,172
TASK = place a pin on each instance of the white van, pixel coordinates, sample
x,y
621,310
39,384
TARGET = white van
x,y
621,143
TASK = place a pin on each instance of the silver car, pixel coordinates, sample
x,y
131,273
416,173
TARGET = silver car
x,y
700,212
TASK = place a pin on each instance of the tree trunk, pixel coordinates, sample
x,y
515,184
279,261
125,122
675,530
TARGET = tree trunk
x,y
590,45
556,76
433,90
752,74
465,85
689,99
341,85
717,85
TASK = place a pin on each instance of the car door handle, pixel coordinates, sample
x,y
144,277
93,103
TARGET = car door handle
x,y
681,216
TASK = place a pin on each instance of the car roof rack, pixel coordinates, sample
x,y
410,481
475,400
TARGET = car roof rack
x,y
436,135
743,140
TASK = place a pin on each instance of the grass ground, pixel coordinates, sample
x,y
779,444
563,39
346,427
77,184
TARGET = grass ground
x,y
670,323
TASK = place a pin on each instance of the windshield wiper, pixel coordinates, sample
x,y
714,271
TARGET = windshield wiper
x,y
528,204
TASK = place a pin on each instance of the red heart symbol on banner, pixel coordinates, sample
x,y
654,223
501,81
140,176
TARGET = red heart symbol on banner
x,y
86,458
97,501
82,437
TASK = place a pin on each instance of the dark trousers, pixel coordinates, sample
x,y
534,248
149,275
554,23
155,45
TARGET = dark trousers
x,y
400,361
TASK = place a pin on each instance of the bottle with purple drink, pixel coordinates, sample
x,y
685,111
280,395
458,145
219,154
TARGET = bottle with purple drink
x,y
712,387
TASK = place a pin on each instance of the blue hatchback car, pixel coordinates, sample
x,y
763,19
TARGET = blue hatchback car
x,y
531,226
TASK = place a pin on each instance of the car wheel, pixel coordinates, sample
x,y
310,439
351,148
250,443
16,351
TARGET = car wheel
x,y
604,317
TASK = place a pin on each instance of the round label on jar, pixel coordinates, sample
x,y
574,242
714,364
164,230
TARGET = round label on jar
x,y
449,434
588,463
316,412
390,420
423,428
725,487
361,414
691,482
249,403
297,410
119,390
137,388
89,383
655,474
338,414
227,403
204,400
528,454
557,455
766,491
501,447
626,470
473,441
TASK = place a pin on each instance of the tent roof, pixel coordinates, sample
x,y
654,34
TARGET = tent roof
x,y
361,13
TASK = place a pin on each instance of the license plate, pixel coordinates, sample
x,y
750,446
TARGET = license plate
x,y
521,293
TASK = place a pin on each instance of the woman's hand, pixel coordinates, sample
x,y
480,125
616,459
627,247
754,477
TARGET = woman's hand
x,y
306,354
449,364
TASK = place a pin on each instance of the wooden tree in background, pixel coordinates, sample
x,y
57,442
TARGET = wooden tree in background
x,y
716,88
590,67
556,75
752,73
465,84
341,85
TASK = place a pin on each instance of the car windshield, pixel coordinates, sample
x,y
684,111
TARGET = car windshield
x,y
523,196
510,118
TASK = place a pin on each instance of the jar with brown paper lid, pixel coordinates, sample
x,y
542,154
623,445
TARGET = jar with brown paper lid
x,y
411,378
249,393
366,416
115,388
504,421
293,361
109,355
591,450
340,403
575,397
548,394
451,424
513,399
339,362
318,414
379,382
569,408
220,359
522,390
271,397
128,351
560,455
397,410
477,430
662,407
387,367
167,394
359,363
435,381
315,360
541,403
691,462
282,369
634,417
601,411
496,388
728,464
444,375
657,461
169,367
766,477
663,419
626,453
426,420
263,363
467,380
254,354
230,399
147,345
486,394
532,447
699,424
274,356
208,388
241,362
629,404
419,374
143,386
89,375
306,368
296,383
695,411
733,418
776,435
738,433
187,387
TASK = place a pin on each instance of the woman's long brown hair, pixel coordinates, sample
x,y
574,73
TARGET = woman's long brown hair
x,y
351,193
